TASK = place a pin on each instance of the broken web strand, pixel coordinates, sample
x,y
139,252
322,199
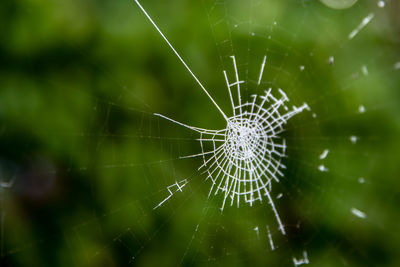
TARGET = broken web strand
x,y
355,30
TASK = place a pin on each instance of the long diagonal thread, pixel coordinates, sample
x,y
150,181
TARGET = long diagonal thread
x,y
180,58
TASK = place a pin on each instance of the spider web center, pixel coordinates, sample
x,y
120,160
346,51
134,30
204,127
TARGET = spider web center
x,y
243,138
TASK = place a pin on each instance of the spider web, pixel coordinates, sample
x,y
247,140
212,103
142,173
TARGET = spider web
x,y
343,64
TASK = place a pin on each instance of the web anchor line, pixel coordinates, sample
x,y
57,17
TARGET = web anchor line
x,y
178,188
243,159
180,58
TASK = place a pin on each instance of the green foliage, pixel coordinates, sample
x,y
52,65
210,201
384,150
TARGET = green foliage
x,y
79,81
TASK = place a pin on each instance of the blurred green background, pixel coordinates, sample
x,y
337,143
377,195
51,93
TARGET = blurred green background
x,y
84,161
